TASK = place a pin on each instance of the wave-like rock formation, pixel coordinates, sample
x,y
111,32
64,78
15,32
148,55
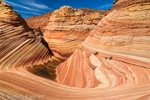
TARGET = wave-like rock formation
x,y
68,28
91,73
40,21
20,48
115,58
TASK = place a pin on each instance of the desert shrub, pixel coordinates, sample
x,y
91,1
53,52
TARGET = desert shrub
x,y
96,53
106,57
110,58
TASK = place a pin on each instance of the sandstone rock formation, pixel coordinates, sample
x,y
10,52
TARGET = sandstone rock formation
x,y
69,27
88,11
96,70
65,34
40,21
114,59
20,47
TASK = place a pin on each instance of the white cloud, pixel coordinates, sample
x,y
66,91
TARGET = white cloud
x,y
21,6
105,6
28,12
37,5
28,7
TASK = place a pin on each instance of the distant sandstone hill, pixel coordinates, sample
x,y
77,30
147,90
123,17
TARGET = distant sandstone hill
x,y
69,27
41,21
114,59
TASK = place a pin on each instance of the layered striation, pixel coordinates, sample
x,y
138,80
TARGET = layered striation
x,y
115,58
96,70
69,27
41,21
20,47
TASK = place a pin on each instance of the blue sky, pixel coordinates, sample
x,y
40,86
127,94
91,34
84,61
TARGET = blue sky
x,y
29,8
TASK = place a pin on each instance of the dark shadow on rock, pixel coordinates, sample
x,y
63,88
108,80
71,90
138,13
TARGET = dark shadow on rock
x,y
46,45
43,73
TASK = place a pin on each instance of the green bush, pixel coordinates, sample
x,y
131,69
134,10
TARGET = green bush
x,y
110,58
96,53
106,57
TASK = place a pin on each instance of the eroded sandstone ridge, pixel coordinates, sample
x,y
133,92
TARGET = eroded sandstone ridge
x,y
115,57
68,28
40,21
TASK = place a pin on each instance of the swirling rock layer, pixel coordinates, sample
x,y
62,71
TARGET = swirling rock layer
x,y
69,27
113,75
19,46
115,56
